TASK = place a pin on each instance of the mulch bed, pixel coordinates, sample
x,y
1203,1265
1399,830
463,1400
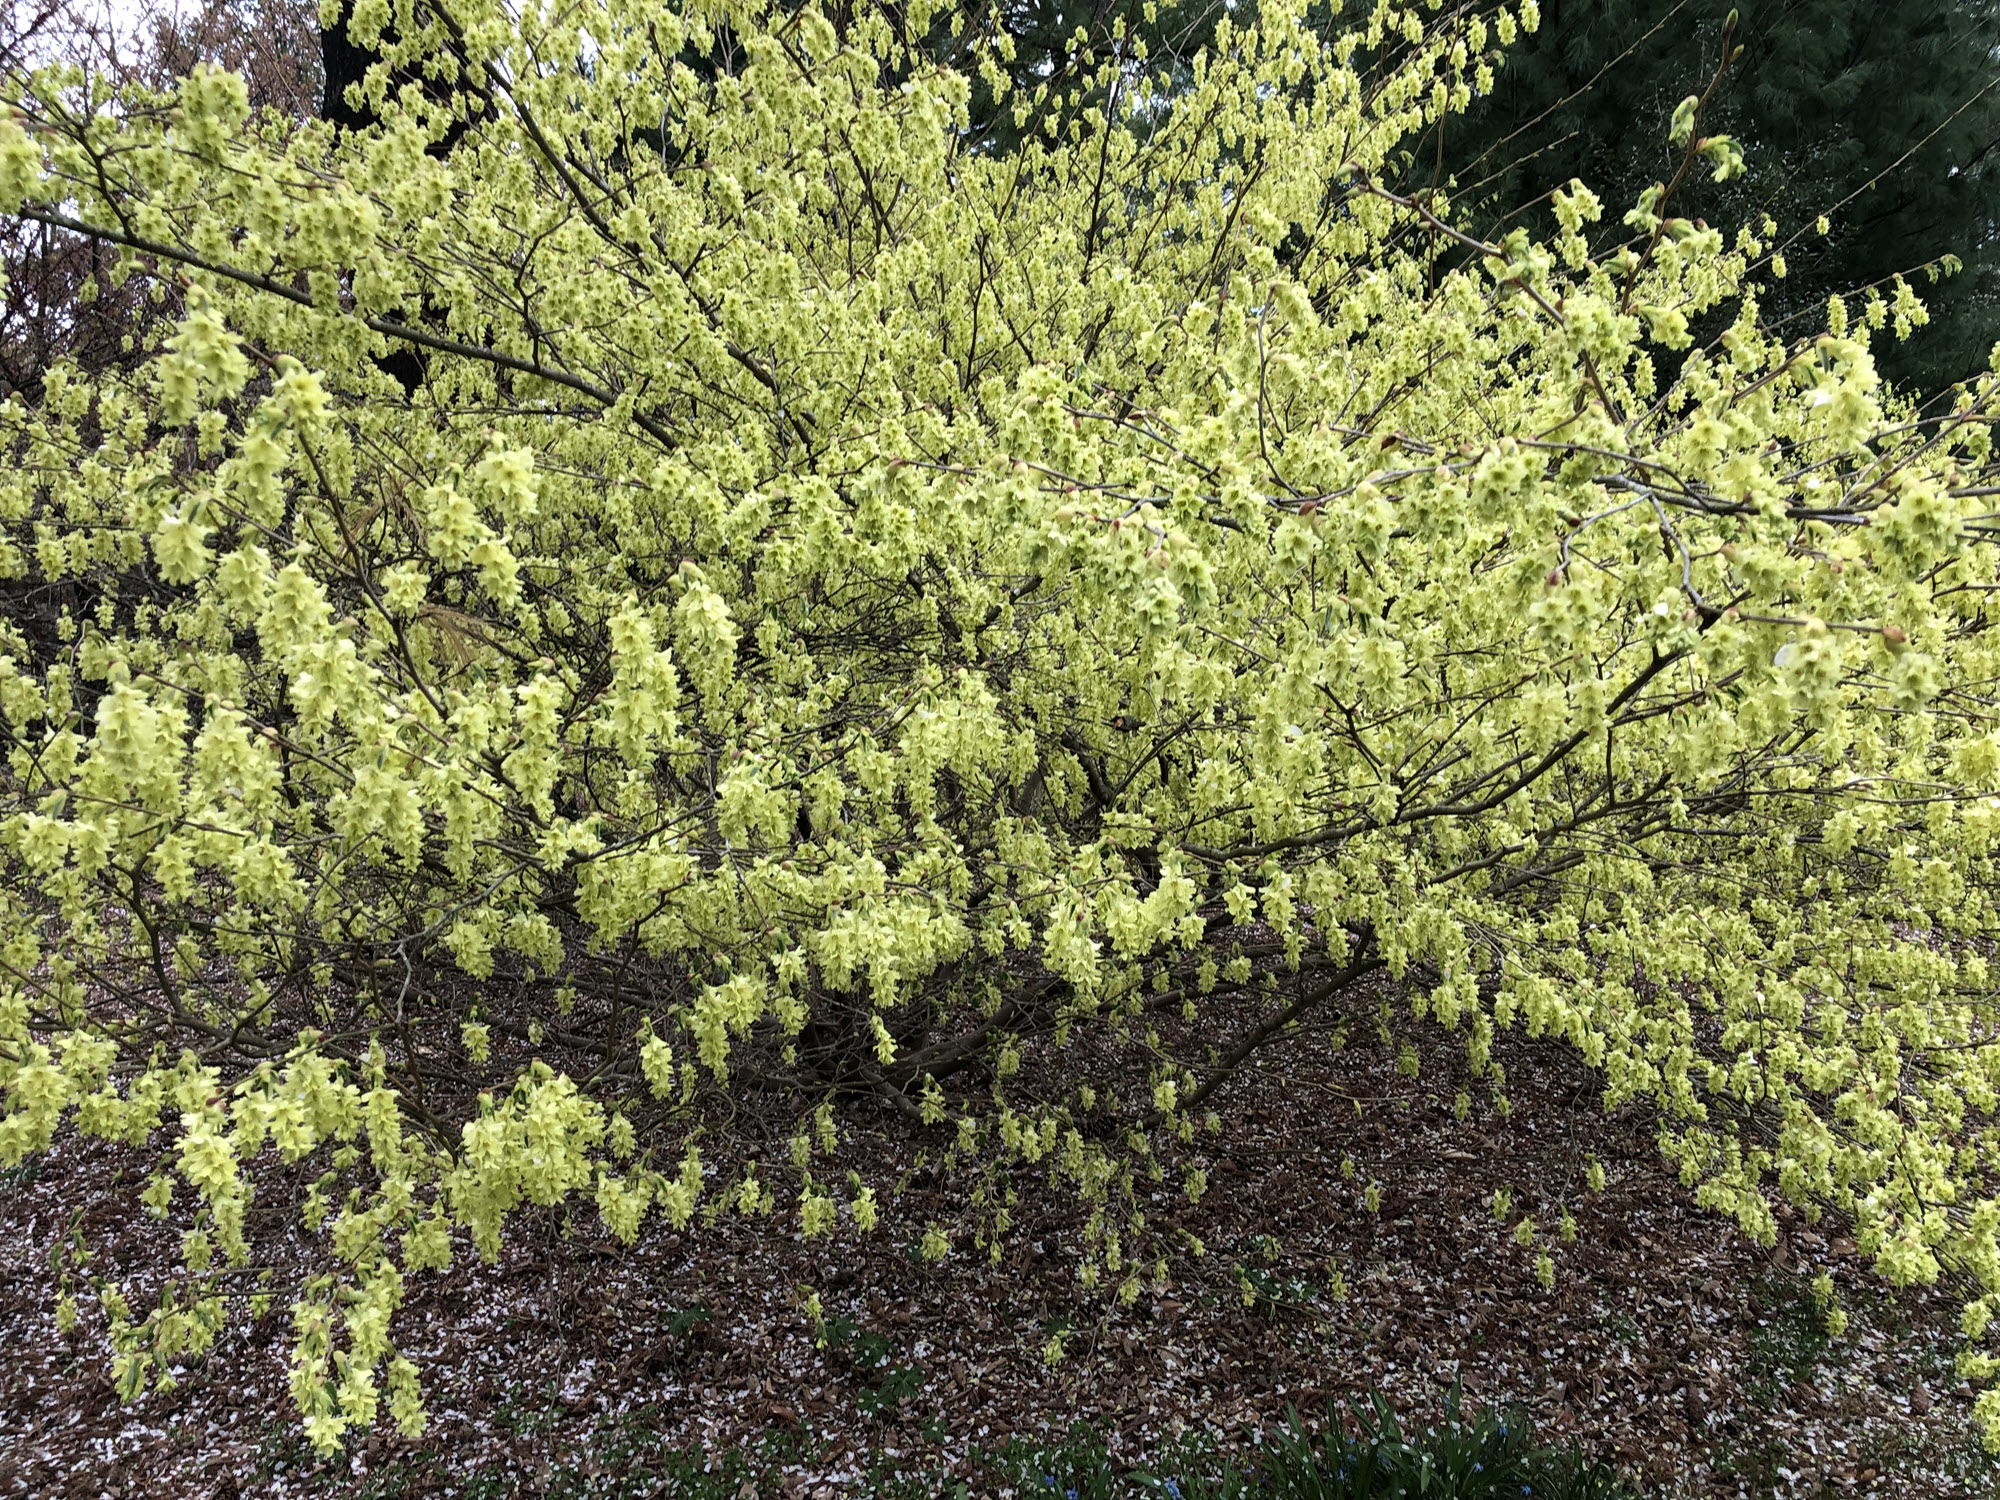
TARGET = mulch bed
x,y
1669,1343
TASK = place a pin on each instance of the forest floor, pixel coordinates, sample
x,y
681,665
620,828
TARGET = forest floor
x,y
1670,1345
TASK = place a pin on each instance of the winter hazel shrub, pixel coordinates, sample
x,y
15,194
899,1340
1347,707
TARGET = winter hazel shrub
x,y
843,620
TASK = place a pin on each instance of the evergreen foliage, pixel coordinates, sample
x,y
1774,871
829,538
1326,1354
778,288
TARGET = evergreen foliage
x,y
1882,117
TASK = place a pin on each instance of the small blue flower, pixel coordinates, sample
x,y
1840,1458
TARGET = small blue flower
x,y
1049,1480
1173,1490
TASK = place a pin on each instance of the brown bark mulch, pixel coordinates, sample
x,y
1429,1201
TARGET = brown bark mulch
x,y
1669,1344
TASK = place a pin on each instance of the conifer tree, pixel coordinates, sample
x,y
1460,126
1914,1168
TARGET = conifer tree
x,y
1882,117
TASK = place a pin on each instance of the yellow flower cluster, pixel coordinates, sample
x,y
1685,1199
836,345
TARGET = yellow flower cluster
x,y
846,612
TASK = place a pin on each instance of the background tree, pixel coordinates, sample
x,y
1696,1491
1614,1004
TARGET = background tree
x,y
58,298
1882,117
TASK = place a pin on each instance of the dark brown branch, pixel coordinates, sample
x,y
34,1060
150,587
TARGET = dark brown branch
x,y
388,327
1363,964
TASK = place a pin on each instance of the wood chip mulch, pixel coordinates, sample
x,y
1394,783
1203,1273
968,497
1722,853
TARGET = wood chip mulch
x,y
1669,1344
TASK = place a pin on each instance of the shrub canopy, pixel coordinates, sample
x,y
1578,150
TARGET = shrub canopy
x,y
837,616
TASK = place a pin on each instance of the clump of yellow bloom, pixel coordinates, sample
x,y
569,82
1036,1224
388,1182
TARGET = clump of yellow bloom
x,y
845,616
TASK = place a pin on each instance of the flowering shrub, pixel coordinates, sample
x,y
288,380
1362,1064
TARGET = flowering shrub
x,y
841,615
